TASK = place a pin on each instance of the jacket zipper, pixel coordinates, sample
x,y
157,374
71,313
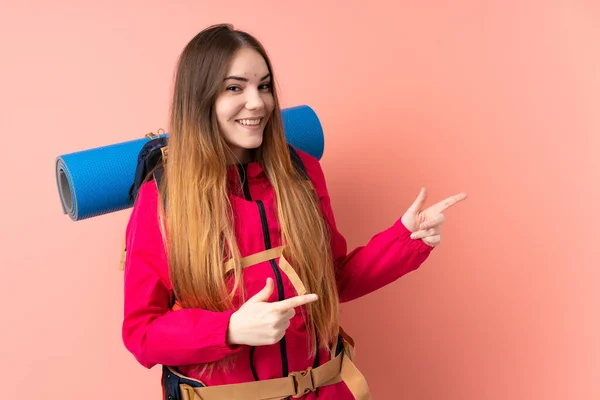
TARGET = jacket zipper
x,y
280,290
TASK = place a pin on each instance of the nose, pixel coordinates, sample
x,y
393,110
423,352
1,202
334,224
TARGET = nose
x,y
254,100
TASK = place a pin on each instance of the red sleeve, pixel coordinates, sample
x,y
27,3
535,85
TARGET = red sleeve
x,y
151,331
387,256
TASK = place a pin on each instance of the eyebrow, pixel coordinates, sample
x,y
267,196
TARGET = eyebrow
x,y
239,78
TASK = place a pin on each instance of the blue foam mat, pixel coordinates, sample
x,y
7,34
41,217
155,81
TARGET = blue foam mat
x,y
96,181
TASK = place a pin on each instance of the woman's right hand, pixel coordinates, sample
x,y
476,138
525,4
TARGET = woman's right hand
x,y
258,322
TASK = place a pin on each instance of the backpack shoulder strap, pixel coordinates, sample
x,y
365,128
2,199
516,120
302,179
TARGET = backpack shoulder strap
x,y
159,170
157,175
297,161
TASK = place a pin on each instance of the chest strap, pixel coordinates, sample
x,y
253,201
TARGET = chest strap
x,y
285,266
271,254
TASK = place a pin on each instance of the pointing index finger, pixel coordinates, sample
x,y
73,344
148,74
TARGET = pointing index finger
x,y
296,301
447,203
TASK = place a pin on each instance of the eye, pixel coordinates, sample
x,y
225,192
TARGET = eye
x,y
233,88
265,86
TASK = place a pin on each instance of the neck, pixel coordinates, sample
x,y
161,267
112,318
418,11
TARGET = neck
x,y
241,156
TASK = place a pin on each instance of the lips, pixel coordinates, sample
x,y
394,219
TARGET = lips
x,y
250,121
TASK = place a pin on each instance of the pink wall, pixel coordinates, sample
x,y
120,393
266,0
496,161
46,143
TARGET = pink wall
x,y
498,99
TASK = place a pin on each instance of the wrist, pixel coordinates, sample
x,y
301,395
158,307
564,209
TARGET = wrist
x,y
231,338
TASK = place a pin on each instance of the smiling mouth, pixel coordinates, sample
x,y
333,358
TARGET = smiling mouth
x,y
249,121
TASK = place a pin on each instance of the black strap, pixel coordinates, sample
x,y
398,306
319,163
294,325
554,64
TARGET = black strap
x,y
158,175
297,161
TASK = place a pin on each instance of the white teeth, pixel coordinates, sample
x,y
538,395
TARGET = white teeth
x,y
249,121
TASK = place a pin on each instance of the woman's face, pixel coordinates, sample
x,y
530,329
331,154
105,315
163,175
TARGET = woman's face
x,y
245,103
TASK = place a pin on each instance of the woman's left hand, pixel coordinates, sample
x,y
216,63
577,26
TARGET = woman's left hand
x,y
427,224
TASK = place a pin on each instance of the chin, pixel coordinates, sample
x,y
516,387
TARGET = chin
x,y
252,144
246,142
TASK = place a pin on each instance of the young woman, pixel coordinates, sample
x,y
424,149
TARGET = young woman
x,y
235,269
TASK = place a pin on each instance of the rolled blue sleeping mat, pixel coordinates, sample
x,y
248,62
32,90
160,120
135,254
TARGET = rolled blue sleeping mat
x,y
97,181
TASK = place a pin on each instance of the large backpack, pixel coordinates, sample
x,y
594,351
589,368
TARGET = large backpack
x,y
150,166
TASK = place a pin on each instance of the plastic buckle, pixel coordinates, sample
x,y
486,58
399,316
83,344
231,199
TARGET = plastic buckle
x,y
303,383
152,135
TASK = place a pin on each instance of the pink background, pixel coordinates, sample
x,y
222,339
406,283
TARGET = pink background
x,y
500,99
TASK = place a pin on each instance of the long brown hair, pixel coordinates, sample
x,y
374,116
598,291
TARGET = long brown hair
x,y
198,218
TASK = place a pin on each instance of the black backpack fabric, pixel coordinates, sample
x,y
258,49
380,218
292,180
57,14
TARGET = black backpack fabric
x,y
149,159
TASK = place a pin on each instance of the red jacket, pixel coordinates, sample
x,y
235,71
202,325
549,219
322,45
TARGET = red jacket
x,y
155,334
